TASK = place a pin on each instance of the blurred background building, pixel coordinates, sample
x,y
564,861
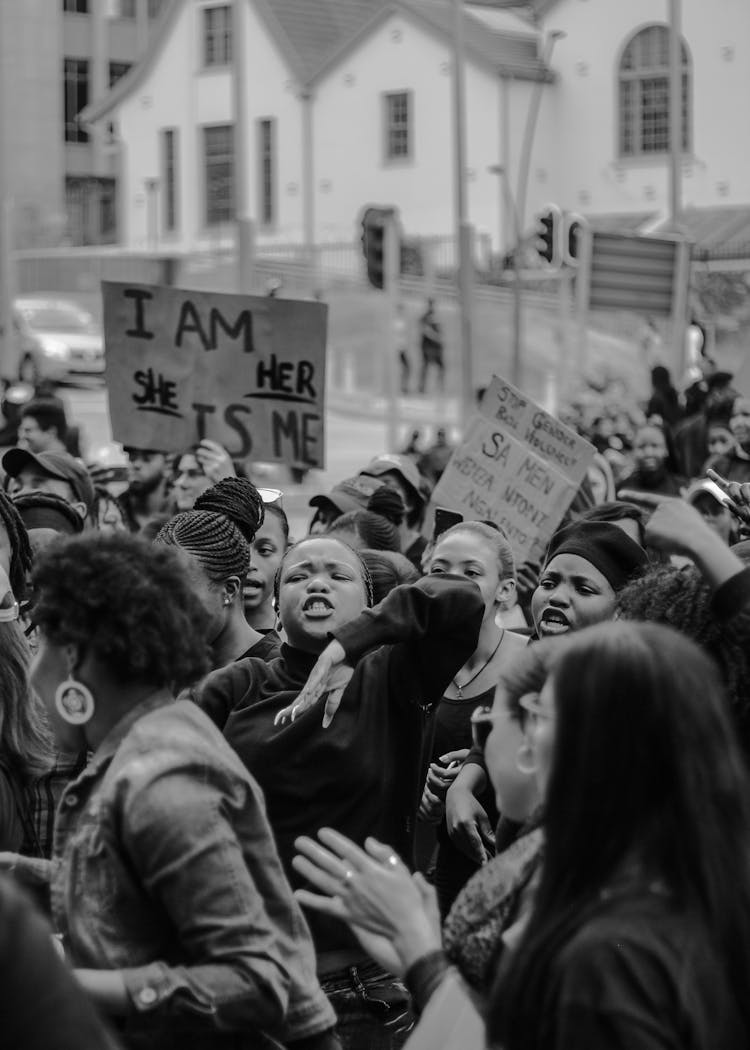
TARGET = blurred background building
x,y
56,57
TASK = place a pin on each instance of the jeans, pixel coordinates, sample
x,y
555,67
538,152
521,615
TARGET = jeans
x,y
373,1008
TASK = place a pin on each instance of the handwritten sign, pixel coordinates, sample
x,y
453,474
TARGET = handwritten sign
x,y
248,372
517,466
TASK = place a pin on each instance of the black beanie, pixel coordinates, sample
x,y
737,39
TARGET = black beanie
x,y
607,547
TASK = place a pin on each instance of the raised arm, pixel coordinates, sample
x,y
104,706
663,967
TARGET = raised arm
x,y
433,626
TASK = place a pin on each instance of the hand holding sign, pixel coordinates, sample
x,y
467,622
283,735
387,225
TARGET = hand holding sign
x,y
214,460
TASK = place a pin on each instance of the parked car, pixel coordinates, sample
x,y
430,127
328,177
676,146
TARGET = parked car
x,y
58,338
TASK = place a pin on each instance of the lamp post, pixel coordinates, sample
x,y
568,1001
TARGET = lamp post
x,y
502,172
520,206
675,112
463,229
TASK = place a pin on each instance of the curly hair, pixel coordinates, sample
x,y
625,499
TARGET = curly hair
x,y
127,601
20,548
682,599
219,529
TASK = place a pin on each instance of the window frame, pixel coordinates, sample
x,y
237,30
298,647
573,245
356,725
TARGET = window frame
x,y
216,40
210,222
76,7
169,150
267,153
72,130
391,127
123,67
642,130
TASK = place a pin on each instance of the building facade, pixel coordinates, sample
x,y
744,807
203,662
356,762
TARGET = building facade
x,y
348,103
57,57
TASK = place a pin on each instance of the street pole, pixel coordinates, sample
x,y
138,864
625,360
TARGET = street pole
x,y
391,274
524,167
675,113
245,227
464,232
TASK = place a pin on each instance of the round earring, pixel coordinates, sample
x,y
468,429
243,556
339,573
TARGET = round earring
x,y
226,601
74,702
526,759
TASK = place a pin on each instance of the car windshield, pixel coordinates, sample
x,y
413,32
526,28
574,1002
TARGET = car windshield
x,y
56,317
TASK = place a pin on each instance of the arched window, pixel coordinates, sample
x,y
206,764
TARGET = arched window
x,y
644,94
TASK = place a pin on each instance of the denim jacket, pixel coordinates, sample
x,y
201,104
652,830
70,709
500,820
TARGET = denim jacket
x,y
166,870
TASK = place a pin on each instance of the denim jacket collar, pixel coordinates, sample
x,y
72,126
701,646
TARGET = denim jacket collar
x,y
119,731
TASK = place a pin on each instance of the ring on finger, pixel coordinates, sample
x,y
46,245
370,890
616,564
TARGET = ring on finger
x,y
392,860
347,877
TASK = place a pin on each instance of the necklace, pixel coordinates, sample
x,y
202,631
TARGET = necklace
x,y
490,658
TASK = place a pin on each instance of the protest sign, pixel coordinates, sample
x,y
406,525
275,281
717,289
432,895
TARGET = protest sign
x,y
248,372
517,466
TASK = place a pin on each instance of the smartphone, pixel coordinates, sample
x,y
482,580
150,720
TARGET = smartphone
x,y
445,519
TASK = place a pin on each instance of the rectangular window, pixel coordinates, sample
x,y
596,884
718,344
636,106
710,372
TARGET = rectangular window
x,y
76,96
169,177
218,152
217,35
117,70
267,172
154,8
397,126
76,7
127,8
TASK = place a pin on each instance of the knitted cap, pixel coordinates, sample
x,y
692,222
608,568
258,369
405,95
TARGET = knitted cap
x,y
607,547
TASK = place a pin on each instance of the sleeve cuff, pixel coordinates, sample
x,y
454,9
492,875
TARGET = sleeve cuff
x,y
423,977
733,595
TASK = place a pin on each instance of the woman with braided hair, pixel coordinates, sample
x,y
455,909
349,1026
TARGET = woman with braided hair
x,y
380,670
214,544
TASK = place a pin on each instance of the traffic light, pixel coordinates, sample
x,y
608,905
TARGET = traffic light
x,y
574,225
374,221
549,230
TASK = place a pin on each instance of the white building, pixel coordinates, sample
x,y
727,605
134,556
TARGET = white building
x,y
348,103
606,150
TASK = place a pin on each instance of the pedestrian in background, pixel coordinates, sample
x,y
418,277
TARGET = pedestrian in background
x,y
431,344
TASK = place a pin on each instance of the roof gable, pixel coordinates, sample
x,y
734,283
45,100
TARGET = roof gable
x,y
313,35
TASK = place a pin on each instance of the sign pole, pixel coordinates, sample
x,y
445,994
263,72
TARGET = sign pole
x,y
10,346
680,308
392,261
583,291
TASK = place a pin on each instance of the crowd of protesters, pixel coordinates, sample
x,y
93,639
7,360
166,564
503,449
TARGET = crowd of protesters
x,y
377,783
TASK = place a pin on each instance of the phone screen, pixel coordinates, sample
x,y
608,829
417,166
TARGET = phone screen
x,y
445,519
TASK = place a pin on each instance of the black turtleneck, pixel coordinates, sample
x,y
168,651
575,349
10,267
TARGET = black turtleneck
x,y
363,775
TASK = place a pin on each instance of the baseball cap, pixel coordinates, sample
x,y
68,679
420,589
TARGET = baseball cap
x,y
402,465
350,494
705,485
55,465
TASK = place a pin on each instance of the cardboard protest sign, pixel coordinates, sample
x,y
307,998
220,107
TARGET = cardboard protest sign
x,y
248,372
517,466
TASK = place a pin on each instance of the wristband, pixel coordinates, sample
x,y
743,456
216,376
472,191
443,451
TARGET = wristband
x,y
423,977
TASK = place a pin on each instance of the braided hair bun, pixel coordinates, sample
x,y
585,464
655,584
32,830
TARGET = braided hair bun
x,y
237,499
388,504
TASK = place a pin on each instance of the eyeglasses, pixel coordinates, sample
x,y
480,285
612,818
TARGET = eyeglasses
x,y
271,495
482,721
536,711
